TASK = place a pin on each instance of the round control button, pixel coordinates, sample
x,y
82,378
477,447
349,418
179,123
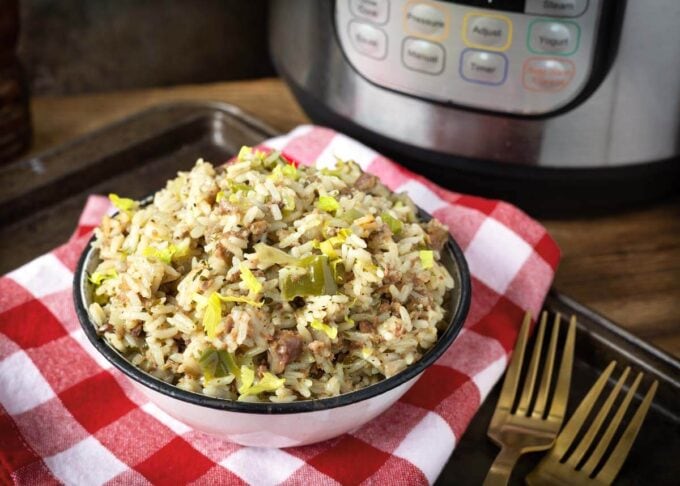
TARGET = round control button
x,y
422,55
372,10
368,40
424,19
547,74
554,37
483,67
487,31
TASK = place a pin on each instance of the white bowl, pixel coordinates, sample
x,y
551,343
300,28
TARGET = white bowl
x,y
280,424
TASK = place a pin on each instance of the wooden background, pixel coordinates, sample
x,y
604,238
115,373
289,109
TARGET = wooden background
x,y
625,266
78,46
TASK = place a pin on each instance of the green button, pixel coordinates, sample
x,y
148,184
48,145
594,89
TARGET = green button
x,y
560,38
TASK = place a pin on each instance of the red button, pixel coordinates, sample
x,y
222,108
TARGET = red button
x,y
547,74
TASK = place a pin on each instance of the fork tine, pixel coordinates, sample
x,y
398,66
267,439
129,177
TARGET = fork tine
x,y
597,454
512,375
530,381
566,437
559,402
588,438
613,465
546,379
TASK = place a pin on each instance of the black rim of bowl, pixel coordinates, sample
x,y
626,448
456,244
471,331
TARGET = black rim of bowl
x,y
456,321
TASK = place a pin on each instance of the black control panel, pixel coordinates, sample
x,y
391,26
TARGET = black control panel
x,y
514,56
505,5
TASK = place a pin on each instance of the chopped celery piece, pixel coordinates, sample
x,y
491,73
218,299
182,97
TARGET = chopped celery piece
x,y
239,186
337,172
213,309
244,152
393,223
272,158
330,331
219,196
249,279
247,379
122,203
290,171
98,277
241,300
181,251
285,171
317,281
328,204
340,166
277,173
336,240
331,172
289,203
350,215
273,256
164,255
268,383
327,249
232,366
212,315
426,258
269,161
100,299
341,237
167,254
338,271
217,364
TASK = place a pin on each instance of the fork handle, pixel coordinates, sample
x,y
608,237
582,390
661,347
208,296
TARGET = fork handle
x,y
500,471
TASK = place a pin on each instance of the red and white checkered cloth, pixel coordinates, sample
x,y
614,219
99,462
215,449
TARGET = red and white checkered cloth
x,y
67,416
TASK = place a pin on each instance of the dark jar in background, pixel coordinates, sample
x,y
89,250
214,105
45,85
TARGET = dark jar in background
x,y
15,121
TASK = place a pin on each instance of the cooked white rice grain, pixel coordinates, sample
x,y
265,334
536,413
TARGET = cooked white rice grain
x,y
259,281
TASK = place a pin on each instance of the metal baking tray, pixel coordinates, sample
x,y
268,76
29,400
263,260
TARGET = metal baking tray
x,y
653,459
41,199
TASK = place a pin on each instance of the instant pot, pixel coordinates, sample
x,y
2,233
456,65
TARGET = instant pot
x,y
554,104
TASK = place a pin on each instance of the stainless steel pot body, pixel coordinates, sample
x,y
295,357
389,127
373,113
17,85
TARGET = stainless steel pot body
x,y
630,116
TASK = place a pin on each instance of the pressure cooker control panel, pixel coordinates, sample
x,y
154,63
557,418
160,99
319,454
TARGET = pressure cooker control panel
x,y
515,56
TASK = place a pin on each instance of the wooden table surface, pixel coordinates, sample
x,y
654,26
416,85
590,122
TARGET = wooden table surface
x,y
625,266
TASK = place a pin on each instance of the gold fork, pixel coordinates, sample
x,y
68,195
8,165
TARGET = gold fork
x,y
558,467
530,428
